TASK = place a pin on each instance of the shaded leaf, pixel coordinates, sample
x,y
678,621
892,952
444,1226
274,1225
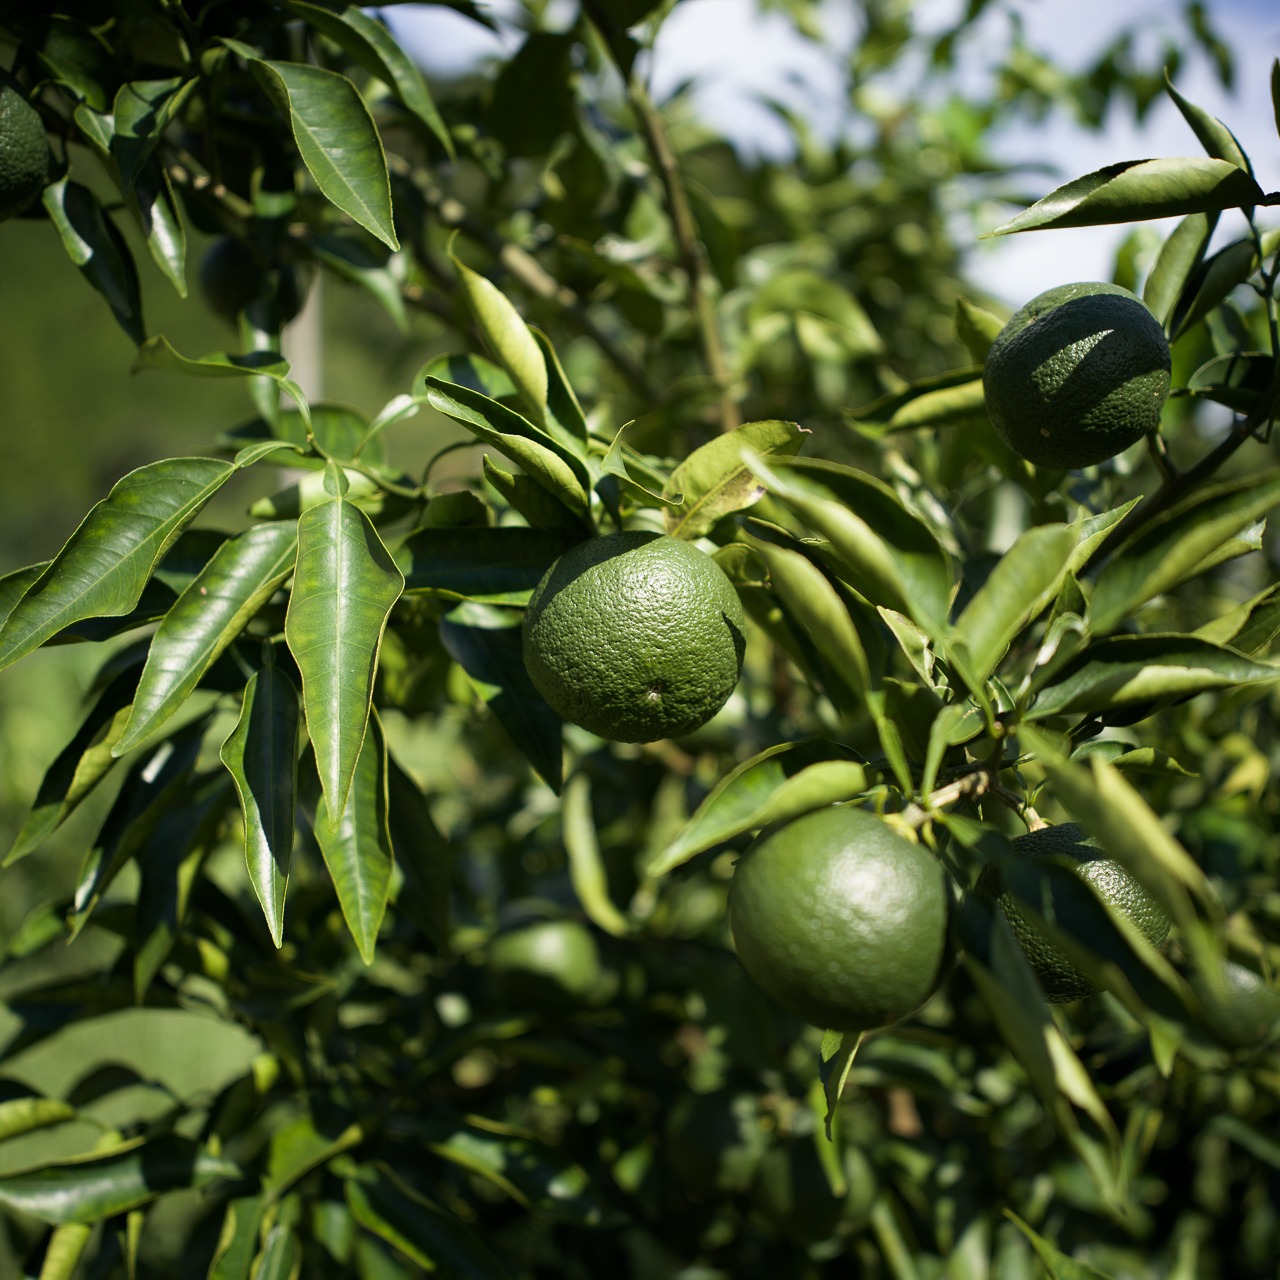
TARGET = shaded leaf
x,y
1211,283
1180,255
498,565
104,565
297,1146
1134,190
280,1257
714,480
155,210
1058,1265
977,328
344,588
140,114
423,856
261,753
238,1240
780,783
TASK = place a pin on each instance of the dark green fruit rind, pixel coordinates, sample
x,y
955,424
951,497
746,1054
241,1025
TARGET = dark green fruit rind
x,y
24,153
1060,979
1241,1009
1077,375
635,636
842,921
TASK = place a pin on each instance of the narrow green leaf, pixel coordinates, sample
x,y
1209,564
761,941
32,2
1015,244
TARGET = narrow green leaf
x,y
1179,257
360,263
25,1115
1124,670
357,847
242,576
238,1240
140,114
423,856
619,462
78,769
508,337
425,1234
280,1257
566,419
1211,283
369,42
105,564
714,480
977,328
539,506
65,1249
1242,380
485,642
97,248
1135,190
344,588
336,137
586,867
90,1188
780,783
1023,582
1056,1263
1249,628
946,400
475,372
1173,546
1217,140
500,566
261,753
300,1145
155,210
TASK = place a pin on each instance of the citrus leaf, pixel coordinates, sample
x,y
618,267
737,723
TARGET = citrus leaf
x,y
106,1184
300,1145
1242,380
474,372
369,42
425,1234
1023,583
25,1115
336,137
261,754
945,400
565,416
423,856
780,783
140,114
1217,140
155,210
238,1240
280,1257
615,463
586,867
1123,670
714,480
1250,627
1172,546
533,500
1211,283
485,642
500,566
66,1247
1056,1263
240,578
509,338
105,564
977,328
356,261
78,769
1179,258
97,248
344,588
1134,190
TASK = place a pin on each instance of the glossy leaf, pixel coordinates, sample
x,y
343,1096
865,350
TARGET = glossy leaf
x,y
498,565
261,754
953,399
335,135
1124,670
628,469
1023,582
66,1247
369,42
155,209
508,338
586,867
715,481
140,114
1135,190
474,372
97,248
103,567
344,588
280,1257
1180,255
780,783
977,328
25,1115
485,642
540,507
78,769
1243,380
1217,140
238,1240
565,417
1212,282
91,1188
425,1234
1172,546
242,576
357,846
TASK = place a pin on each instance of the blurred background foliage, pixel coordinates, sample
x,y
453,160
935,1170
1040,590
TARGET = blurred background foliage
x,y
672,1129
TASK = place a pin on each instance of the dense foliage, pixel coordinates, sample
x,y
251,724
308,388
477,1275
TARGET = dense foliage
x,y
374,967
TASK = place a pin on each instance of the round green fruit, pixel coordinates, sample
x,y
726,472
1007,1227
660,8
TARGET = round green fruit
x,y
1077,375
842,920
636,636
1241,1009
550,966
24,152
233,280
1060,979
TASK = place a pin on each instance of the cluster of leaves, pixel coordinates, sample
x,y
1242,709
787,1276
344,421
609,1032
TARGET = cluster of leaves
x,y
334,785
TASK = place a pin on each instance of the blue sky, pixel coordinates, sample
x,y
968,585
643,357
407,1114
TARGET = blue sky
x,y
734,52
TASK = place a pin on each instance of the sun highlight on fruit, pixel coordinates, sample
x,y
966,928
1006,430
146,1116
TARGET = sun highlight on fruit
x,y
1060,979
1077,375
636,636
841,920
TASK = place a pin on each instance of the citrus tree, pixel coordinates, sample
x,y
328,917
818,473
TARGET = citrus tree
x,y
746,605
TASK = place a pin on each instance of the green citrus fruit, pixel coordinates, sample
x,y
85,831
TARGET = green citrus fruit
x,y
24,153
1242,1009
233,280
550,966
1080,373
841,920
1060,978
635,636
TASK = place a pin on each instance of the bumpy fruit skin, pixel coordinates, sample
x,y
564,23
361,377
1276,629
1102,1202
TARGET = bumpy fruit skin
x,y
1060,979
24,153
636,636
842,920
1077,375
